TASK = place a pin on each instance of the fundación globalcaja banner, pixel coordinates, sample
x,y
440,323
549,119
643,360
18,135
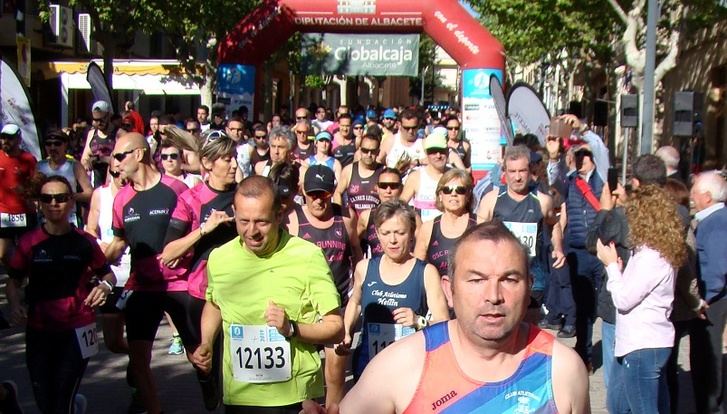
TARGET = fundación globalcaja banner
x,y
375,55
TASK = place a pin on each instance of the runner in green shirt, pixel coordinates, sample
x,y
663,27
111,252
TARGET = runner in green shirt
x,y
274,297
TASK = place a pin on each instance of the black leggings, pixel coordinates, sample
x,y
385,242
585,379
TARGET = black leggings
x,y
145,310
56,368
246,409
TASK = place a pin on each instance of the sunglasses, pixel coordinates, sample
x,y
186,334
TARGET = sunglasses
x,y
58,198
386,186
8,136
299,117
372,151
358,127
54,143
390,119
432,151
115,174
214,135
411,128
173,157
260,136
460,190
319,195
453,128
301,132
120,156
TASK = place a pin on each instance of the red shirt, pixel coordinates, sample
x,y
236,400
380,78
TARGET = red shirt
x,y
15,172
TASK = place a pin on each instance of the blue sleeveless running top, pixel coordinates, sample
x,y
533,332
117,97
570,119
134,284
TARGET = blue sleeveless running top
x,y
379,300
444,388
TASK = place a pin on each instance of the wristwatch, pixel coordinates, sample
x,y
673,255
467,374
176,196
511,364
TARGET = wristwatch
x,y
421,323
293,330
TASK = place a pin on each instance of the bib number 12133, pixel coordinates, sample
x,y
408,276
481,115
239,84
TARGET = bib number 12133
x,y
259,354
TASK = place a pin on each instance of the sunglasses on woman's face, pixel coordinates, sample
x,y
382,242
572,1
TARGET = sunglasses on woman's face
x,y
459,189
386,186
58,198
173,157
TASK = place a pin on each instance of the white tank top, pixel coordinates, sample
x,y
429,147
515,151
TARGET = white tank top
x,y
425,199
66,171
414,152
105,215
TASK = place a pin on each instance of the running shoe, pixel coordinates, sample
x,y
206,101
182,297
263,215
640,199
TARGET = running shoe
x,y
10,404
176,348
136,406
79,404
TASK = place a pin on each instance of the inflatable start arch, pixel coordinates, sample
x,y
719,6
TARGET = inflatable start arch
x,y
479,54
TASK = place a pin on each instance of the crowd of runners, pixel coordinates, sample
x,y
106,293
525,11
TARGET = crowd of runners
x,y
283,252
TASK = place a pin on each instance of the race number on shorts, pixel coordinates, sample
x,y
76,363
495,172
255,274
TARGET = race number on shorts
x,y
382,335
526,232
13,220
87,340
259,354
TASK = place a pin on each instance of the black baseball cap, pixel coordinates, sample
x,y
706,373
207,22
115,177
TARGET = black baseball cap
x,y
319,178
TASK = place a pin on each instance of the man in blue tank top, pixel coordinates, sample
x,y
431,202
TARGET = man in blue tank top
x,y
529,214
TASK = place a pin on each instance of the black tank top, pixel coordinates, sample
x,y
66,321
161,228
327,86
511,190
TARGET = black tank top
x,y
301,154
255,157
362,191
372,239
335,245
440,245
101,147
345,153
511,212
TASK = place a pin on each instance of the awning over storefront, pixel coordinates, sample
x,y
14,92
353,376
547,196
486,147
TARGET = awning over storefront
x,y
150,77
145,77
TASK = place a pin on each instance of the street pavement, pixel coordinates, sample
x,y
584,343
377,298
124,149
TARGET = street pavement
x,y
104,384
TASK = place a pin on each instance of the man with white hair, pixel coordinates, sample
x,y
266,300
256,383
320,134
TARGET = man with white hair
x,y
708,195
670,156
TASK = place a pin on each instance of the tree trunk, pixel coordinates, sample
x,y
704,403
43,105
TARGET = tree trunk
x,y
205,89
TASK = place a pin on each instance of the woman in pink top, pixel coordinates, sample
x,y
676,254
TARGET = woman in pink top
x,y
643,294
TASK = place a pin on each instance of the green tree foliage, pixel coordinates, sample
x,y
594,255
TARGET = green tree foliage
x,y
530,30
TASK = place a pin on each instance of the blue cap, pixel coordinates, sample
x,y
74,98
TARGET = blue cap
x,y
371,114
324,135
389,113
358,121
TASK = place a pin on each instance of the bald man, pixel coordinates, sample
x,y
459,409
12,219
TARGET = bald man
x,y
141,214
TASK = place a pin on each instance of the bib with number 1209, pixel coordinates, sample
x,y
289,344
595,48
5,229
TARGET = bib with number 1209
x,y
87,340
526,232
259,354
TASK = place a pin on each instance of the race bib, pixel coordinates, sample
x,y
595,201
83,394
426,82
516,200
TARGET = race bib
x,y
13,220
382,335
259,354
87,340
526,232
